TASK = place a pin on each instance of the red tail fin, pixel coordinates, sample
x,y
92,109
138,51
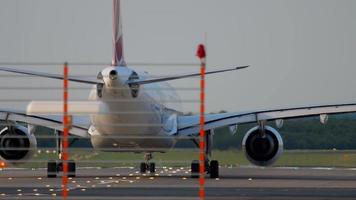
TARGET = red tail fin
x,y
118,43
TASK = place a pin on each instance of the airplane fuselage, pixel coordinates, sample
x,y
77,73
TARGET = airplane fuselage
x,y
141,118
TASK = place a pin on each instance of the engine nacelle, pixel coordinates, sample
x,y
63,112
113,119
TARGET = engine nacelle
x,y
262,149
16,144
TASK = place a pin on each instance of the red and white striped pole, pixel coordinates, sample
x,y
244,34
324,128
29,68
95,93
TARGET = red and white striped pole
x,y
202,56
66,124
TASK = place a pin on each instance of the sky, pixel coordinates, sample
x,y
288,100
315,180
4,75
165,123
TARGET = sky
x,y
301,52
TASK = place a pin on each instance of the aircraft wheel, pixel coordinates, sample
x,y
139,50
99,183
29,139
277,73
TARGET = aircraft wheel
x,y
143,167
152,167
195,169
52,169
214,169
71,168
207,167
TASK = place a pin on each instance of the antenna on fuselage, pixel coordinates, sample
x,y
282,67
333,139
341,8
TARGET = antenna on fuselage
x,y
118,43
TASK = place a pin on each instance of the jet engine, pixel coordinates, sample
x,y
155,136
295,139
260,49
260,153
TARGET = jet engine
x,y
16,144
262,147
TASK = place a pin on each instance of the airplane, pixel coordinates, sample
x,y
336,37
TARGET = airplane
x,y
131,113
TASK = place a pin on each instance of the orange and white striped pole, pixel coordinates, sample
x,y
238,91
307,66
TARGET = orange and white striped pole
x,y
202,56
66,126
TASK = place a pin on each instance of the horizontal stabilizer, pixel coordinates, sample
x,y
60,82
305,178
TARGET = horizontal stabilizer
x,y
169,78
48,75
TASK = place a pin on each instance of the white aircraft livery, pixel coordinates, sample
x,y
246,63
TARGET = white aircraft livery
x,y
131,111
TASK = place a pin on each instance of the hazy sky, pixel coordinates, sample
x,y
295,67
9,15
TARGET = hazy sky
x,y
301,52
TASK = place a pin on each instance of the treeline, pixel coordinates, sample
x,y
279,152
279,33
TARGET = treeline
x,y
308,133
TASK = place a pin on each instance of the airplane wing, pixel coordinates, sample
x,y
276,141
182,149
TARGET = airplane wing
x,y
169,78
48,75
79,128
189,125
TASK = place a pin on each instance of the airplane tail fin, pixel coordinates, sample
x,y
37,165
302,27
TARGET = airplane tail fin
x,y
118,43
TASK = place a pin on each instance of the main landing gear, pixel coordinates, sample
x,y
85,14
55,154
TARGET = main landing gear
x,y
56,166
147,166
212,167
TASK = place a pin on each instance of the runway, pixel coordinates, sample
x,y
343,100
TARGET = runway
x,y
175,183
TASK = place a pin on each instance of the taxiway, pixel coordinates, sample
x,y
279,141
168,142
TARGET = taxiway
x,y
175,183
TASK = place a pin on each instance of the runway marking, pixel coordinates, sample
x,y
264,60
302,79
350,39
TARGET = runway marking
x,y
79,183
296,168
68,188
323,168
33,194
182,168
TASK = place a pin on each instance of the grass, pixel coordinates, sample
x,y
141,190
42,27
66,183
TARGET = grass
x,y
182,157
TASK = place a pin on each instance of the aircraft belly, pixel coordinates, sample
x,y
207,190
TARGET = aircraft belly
x,y
132,145
130,126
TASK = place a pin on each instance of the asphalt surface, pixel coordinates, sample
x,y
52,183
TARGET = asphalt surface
x,y
175,183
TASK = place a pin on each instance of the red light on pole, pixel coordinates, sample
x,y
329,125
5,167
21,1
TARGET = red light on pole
x,y
201,51
201,54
